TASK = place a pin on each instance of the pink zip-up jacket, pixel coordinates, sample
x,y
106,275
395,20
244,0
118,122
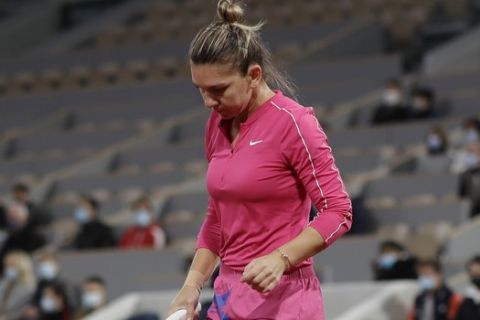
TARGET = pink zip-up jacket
x,y
262,189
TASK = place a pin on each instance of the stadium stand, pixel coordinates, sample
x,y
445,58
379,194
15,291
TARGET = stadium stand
x,y
106,107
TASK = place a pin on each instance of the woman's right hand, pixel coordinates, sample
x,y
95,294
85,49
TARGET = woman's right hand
x,y
187,298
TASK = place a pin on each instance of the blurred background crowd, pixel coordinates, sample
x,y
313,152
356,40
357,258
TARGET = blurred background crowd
x,y
101,146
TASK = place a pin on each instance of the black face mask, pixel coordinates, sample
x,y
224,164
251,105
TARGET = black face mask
x,y
476,281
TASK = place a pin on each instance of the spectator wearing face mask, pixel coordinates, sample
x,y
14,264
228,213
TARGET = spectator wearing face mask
x,y
16,285
145,232
392,106
21,234
436,301
394,262
471,130
436,141
466,157
422,105
94,296
437,158
48,272
469,184
54,303
39,216
470,308
93,233
20,193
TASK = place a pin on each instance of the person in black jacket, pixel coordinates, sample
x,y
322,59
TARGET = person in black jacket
x,y
21,233
394,262
93,233
470,308
436,300
39,215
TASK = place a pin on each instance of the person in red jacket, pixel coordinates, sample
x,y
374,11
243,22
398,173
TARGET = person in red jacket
x,y
145,232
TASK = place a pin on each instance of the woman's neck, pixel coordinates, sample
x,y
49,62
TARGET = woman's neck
x,y
259,97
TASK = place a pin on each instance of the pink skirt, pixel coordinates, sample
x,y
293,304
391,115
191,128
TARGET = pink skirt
x,y
297,296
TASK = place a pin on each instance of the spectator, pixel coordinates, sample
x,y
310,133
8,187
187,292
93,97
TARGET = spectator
x,y
21,233
93,233
438,158
144,233
48,272
469,185
94,296
17,284
436,301
467,156
54,303
471,130
39,216
423,104
392,107
437,141
394,262
470,308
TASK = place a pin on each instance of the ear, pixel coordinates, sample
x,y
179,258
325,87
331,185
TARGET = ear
x,y
255,75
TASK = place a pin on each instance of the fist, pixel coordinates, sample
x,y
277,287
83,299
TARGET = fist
x,y
264,273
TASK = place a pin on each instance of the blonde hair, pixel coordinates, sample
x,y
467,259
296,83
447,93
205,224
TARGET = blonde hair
x,y
22,261
227,40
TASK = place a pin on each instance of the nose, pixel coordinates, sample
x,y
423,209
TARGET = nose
x,y
208,100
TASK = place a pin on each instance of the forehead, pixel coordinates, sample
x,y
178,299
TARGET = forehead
x,y
92,286
474,268
208,75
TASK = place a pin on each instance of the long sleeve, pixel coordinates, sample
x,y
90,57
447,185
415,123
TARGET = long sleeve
x,y
305,147
209,236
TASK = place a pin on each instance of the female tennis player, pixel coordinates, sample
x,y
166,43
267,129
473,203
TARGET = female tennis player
x,y
268,160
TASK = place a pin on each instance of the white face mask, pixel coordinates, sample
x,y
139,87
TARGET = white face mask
x,y
471,135
142,218
471,160
47,270
92,300
434,142
11,273
48,305
427,282
391,97
81,215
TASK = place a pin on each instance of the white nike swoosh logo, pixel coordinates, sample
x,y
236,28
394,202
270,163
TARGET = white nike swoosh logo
x,y
252,143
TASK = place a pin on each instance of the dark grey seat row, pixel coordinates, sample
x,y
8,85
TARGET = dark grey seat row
x,y
418,215
116,183
410,185
177,154
126,271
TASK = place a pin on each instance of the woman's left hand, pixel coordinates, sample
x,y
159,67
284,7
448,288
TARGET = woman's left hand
x,y
264,273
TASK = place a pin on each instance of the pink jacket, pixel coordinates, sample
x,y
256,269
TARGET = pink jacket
x,y
261,191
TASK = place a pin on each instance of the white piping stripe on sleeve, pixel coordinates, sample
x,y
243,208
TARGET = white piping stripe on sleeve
x,y
314,173
344,190
336,230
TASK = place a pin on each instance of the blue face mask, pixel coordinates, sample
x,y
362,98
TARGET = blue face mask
x,y
471,136
426,282
387,261
471,160
81,215
434,142
142,218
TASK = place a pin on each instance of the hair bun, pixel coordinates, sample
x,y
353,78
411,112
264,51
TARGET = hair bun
x,y
229,12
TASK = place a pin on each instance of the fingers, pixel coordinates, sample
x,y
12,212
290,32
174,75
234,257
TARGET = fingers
x,y
187,299
262,279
